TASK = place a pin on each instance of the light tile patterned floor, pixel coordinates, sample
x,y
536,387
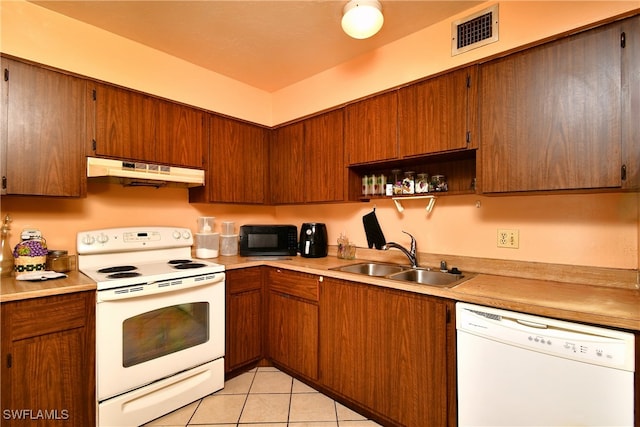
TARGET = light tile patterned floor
x,y
264,397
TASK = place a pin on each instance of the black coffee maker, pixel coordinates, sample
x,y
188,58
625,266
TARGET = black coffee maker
x,y
313,240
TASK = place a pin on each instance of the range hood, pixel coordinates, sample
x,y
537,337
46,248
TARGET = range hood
x,y
131,173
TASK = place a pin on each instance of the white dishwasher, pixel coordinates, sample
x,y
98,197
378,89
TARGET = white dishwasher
x,y
522,370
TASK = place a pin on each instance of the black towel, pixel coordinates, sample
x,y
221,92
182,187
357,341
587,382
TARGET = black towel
x,y
373,231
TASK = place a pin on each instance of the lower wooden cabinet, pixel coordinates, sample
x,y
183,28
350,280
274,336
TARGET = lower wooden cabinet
x,y
389,351
48,361
292,328
244,324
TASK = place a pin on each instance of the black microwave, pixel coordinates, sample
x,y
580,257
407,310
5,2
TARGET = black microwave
x,y
268,240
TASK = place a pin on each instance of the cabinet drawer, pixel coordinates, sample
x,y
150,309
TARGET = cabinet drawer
x,y
243,280
41,316
293,283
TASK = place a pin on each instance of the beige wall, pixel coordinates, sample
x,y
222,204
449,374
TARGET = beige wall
x,y
597,229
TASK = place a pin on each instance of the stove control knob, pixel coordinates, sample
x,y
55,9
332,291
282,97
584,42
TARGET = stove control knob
x,y
88,239
176,234
186,234
103,238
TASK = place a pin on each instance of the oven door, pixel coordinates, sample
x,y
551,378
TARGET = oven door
x,y
152,335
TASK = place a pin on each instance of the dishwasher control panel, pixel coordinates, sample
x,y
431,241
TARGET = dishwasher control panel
x,y
574,341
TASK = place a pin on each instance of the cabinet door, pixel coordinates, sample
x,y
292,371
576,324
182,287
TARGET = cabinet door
x,y
631,102
48,356
325,172
237,166
390,351
44,134
293,321
370,133
180,135
293,333
244,317
550,117
434,116
125,124
287,166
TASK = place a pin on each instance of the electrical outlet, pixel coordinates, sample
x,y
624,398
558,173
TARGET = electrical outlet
x,y
508,238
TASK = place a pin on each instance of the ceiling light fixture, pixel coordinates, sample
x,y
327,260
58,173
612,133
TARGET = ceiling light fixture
x,y
361,19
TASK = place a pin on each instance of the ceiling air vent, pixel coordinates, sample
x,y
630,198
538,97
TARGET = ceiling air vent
x,y
474,31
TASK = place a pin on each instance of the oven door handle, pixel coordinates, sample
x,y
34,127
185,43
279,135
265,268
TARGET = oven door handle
x,y
160,287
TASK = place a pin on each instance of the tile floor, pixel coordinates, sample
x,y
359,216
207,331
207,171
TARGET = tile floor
x,y
264,397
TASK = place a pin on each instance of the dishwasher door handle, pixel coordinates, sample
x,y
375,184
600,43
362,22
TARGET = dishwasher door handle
x,y
532,324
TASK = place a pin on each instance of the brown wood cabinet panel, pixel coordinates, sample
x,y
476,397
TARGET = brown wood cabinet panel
x,y
631,102
293,283
237,167
389,351
181,135
244,314
325,171
434,115
43,132
293,334
125,124
550,116
287,166
371,129
292,328
53,370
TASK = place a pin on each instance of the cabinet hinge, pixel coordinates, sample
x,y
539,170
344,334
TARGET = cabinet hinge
x,y
623,172
468,136
4,182
468,81
6,74
623,39
93,144
9,360
95,95
448,317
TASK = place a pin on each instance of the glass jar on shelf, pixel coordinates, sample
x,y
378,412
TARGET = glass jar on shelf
x,y
422,183
408,183
397,181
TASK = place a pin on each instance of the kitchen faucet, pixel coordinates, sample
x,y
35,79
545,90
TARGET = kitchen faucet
x,y
411,254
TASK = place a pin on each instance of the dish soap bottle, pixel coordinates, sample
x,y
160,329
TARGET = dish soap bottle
x,y
6,260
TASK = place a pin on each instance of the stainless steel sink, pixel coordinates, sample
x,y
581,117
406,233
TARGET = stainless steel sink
x,y
372,268
403,273
426,277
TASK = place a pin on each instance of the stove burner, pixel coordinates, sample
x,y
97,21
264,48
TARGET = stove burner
x,y
179,261
117,269
123,275
187,265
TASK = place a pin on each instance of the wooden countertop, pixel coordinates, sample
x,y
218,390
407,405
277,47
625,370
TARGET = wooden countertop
x,y
600,305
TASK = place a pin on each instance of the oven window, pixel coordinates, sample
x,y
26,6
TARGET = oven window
x,y
160,332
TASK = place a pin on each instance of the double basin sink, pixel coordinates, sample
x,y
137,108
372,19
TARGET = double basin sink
x,y
403,273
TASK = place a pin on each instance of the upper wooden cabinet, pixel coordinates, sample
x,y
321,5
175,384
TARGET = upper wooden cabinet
x,y
136,126
42,131
181,135
307,160
550,117
286,164
371,129
237,169
438,114
324,158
